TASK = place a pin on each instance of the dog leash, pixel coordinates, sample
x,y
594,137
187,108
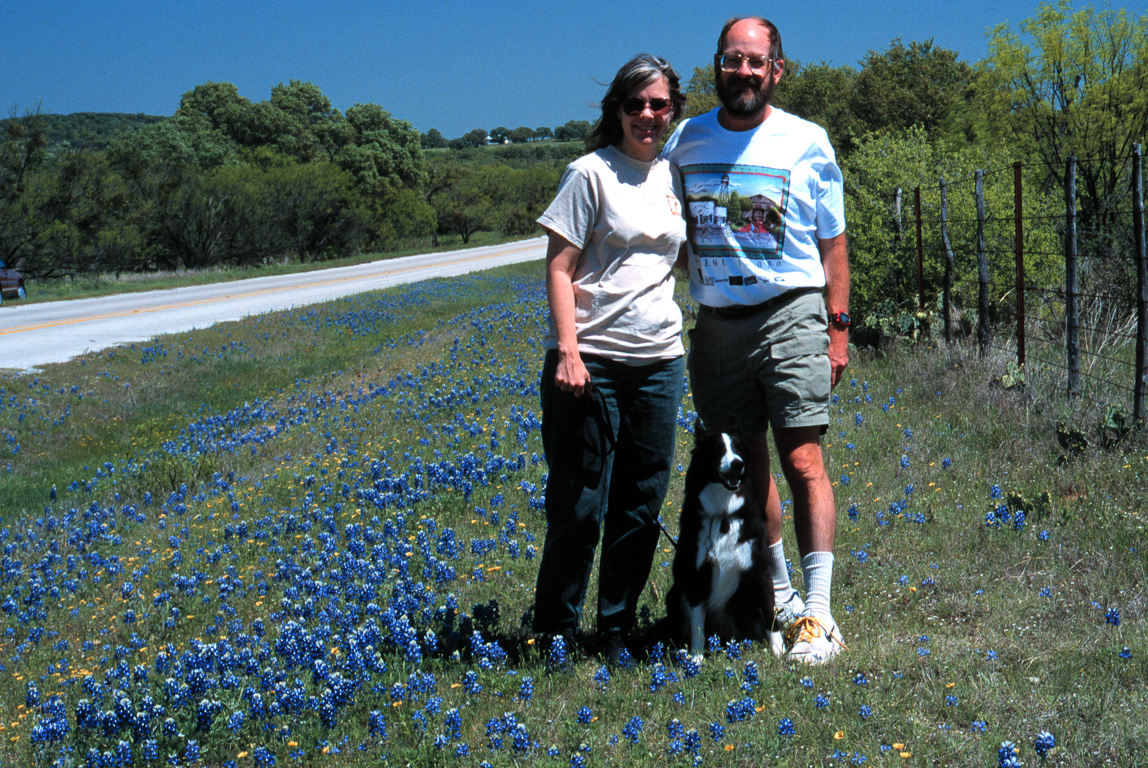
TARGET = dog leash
x,y
673,543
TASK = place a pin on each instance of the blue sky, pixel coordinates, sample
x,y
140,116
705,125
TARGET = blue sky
x,y
447,65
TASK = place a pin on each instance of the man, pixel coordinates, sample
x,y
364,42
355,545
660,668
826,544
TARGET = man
x,y
771,338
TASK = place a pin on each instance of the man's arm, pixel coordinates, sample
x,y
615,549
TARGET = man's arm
x,y
835,262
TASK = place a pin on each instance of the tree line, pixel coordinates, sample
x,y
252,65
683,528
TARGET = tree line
x,y
226,180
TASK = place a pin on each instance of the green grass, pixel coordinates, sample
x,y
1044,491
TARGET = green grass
x,y
293,425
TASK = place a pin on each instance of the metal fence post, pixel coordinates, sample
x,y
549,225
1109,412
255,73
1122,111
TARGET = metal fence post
x,y
1071,282
1141,286
947,295
920,250
982,267
1018,198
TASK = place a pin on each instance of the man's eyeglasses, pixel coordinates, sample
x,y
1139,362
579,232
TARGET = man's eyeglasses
x,y
731,62
634,106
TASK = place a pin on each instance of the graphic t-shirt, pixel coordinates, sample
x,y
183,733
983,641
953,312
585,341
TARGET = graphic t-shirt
x,y
756,203
625,216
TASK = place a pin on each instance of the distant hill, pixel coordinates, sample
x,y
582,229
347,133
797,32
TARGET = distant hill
x,y
87,130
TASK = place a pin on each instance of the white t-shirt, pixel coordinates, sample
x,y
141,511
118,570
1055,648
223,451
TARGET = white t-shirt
x,y
757,202
625,216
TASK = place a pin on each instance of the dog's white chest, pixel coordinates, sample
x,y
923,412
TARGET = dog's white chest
x,y
720,543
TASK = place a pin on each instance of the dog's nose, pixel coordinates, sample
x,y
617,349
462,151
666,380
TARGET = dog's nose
x,y
737,467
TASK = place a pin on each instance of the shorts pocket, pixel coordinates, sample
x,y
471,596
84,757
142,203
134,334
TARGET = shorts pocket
x,y
814,343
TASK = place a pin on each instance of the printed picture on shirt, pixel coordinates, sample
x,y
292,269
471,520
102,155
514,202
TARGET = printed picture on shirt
x,y
736,210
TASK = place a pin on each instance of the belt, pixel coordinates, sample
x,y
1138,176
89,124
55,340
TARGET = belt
x,y
739,311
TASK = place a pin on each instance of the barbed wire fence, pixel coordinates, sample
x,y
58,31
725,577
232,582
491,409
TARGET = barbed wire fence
x,y
1060,292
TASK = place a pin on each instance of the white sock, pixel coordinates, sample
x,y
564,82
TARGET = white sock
x,y
817,570
782,588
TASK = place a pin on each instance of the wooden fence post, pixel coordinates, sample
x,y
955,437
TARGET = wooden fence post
x,y
982,267
1071,281
1141,286
947,294
1018,208
920,251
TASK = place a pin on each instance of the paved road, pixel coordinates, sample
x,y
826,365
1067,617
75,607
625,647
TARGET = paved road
x,y
33,335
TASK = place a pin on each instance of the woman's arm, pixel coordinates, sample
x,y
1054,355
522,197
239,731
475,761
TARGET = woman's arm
x,y
562,258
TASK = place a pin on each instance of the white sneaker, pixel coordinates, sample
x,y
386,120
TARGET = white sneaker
x,y
812,641
784,616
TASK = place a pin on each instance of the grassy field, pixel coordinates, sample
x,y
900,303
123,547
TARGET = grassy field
x,y
311,538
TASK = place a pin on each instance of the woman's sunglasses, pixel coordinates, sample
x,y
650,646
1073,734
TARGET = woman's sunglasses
x,y
634,106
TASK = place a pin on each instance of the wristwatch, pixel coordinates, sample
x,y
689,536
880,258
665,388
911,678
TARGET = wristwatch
x,y
840,318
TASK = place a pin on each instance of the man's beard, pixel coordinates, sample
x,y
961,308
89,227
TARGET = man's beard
x,y
744,97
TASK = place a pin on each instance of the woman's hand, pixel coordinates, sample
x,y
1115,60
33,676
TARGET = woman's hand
x,y
571,375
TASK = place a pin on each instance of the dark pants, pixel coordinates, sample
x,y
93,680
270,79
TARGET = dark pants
x,y
609,454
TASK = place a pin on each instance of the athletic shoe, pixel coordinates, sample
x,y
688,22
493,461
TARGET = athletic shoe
x,y
812,641
784,616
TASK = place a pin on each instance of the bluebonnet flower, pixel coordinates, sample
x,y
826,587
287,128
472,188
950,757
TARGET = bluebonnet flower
x,y
951,701
1043,535
633,729
1045,741
1126,652
1007,755
904,461
991,655
739,711
1112,617
978,726
602,676
585,715
821,701
717,731
526,690
946,463
865,712
785,727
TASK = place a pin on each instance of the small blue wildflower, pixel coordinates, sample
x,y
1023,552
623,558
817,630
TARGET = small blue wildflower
x,y
1126,652
1007,755
978,726
1045,741
1112,617
865,712
785,727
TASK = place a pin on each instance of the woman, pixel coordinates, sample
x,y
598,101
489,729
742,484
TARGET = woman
x,y
612,377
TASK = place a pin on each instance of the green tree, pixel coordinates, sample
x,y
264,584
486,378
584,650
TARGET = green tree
x,y
219,103
822,93
907,86
433,139
1075,84
700,94
384,155
473,138
573,130
464,206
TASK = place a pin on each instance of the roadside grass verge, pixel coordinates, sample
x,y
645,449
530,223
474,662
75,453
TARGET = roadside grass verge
x,y
311,538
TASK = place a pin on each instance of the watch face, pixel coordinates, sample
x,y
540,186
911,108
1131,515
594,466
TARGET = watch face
x,y
841,318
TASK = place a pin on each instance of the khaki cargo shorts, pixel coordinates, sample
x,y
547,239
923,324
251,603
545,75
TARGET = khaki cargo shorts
x,y
766,367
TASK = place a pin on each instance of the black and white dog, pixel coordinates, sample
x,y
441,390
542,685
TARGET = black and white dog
x,y
721,584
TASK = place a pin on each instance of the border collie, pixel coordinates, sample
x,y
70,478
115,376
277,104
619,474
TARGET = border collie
x,y
721,584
